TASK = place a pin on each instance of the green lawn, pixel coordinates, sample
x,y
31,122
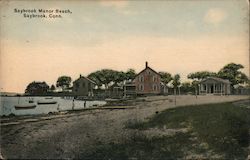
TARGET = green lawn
x,y
214,129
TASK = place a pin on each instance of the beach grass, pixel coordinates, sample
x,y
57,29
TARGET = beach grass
x,y
214,131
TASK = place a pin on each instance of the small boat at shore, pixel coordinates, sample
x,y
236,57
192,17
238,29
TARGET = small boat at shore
x,y
46,102
48,97
25,106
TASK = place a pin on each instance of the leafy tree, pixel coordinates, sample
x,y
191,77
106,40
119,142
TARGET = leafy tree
x,y
130,74
105,76
35,88
118,76
63,82
176,82
232,72
195,85
187,87
201,75
165,77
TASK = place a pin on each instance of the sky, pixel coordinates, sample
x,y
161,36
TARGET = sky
x,y
173,36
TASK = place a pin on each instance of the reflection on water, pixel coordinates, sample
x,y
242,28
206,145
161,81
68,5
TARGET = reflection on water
x,y
44,105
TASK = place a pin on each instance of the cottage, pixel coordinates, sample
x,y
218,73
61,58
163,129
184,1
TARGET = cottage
x,y
215,86
83,86
148,81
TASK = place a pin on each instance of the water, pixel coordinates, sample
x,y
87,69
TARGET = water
x,y
7,105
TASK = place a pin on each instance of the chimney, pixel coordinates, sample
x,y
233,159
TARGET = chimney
x,y
146,64
80,76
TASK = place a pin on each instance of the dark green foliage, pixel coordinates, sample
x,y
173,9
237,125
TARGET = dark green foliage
x,y
37,88
130,74
165,77
232,72
106,76
187,87
176,80
201,75
63,82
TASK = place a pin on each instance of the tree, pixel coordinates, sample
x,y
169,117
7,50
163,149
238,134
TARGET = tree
x,y
232,72
130,74
105,77
119,77
36,88
201,75
176,82
165,77
187,87
63,82
195,85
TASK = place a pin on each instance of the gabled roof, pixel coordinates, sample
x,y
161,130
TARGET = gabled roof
x,y
82,77
217,79
146,69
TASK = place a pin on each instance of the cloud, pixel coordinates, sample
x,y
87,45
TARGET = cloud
x,y
114,3
215,16
120,6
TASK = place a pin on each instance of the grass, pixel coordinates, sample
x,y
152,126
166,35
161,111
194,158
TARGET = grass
x,y
140,147
223,128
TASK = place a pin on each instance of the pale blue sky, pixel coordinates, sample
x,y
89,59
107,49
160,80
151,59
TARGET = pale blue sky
x,y
109,34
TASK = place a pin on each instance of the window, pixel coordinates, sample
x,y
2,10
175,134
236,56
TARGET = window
x,y
141,87
149,72
83,85
154,79
154,87
141,79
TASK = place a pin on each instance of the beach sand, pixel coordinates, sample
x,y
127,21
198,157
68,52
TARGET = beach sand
x,y
69,135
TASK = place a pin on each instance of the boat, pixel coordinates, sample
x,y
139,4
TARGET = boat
x,y
31,101
48,97
25,106
46,102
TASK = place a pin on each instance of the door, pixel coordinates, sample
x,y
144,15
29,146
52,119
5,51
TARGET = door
x,y
212,89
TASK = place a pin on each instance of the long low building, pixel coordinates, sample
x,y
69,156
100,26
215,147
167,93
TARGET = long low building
x,y
215,86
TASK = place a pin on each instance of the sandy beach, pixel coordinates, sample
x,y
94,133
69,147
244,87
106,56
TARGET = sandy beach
x,y
69,135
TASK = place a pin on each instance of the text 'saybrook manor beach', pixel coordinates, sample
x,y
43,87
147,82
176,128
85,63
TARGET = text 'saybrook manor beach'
x,y
42,13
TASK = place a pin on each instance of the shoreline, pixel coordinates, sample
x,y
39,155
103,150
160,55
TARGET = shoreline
x,y
60,137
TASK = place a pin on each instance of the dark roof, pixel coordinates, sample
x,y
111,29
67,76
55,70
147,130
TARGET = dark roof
x,y
147,68
217,79
82,77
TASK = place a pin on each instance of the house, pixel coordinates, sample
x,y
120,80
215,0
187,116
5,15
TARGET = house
x,y
148,81
215,86
83,86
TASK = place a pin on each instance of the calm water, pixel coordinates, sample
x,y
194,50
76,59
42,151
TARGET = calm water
x,y
7,105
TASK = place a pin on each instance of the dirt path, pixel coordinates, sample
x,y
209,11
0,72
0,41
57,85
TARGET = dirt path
x,y
68,137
